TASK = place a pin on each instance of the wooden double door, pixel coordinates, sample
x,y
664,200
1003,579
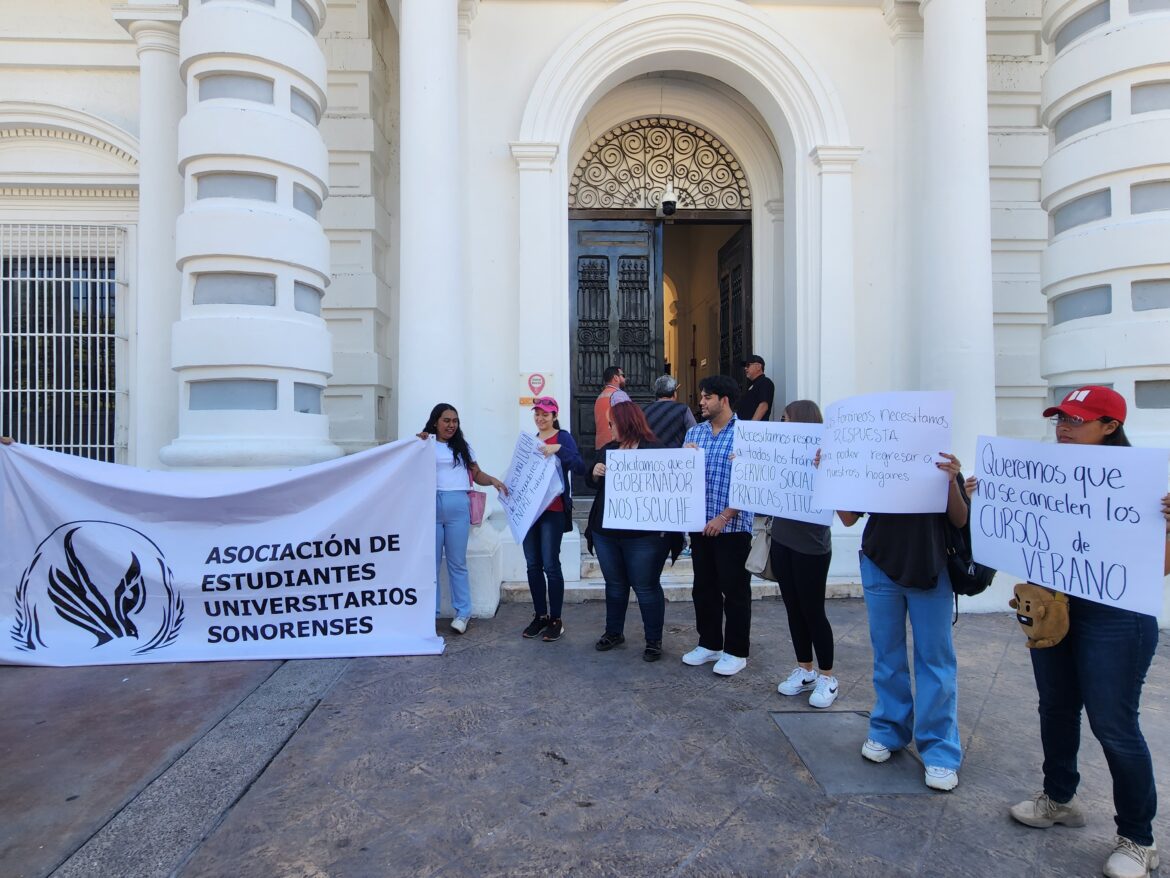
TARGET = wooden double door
x,y
615,310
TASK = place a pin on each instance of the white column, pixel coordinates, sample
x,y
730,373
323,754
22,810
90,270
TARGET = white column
x,y
542,304
776,302
431,334
154,410
251,349
957,311
838,332
906,36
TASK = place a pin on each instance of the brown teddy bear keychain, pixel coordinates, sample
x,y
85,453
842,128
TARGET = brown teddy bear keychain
x,y
1042,614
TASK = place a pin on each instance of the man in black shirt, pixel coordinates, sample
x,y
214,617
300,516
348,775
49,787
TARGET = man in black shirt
x,y
756,403
669,418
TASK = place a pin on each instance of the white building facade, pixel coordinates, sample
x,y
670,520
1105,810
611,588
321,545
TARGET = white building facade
x,y
249,233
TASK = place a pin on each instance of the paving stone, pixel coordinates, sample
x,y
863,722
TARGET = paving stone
x,y
507,757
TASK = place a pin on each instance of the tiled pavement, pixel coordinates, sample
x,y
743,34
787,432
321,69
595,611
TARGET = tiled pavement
x,y
511,757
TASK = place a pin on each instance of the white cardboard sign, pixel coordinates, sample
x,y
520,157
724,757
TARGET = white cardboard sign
x,y
1082,519
658,489
879,453
533,482
773,471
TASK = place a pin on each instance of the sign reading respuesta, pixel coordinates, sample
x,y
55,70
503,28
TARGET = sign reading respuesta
x,y
658,489
1082,519
879,453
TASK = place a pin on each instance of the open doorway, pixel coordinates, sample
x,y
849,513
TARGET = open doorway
x,y
655,297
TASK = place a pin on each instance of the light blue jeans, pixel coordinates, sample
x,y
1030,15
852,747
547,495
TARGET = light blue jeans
x,y
452,528
929,715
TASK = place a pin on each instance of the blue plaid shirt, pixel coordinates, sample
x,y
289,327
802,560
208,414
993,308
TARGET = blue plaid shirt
x,y
717,451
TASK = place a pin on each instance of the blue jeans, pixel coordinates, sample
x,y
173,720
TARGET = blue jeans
x,y
542,554
1100,665
452,528
633,562
929,715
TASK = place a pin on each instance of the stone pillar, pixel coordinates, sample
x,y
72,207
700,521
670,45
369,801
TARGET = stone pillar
x,y
252,351
542,319
957,312
161,98
431,361
837,331
1106,270
906,36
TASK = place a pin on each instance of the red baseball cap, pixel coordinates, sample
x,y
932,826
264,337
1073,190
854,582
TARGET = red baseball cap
x,y
1091,403
546,404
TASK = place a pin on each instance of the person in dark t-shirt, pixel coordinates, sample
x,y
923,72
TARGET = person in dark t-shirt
x,y
904,574
756,403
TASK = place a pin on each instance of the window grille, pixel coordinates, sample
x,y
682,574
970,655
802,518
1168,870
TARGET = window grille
x,y
59,327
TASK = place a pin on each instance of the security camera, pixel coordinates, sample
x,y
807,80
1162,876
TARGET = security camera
x,y
668,203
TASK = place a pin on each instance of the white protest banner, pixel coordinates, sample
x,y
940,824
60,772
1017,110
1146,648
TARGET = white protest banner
x,y
533,482
106,564
773,470
656,489
879,453
1082,519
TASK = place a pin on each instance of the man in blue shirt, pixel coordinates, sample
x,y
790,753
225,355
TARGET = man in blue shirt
x,y
722,586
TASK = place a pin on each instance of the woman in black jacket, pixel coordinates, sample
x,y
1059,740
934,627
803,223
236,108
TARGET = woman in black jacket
x,y
628,558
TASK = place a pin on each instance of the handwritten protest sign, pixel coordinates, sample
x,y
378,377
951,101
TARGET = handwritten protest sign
x,y
1082,519
656,489
533,482
773,470
879,453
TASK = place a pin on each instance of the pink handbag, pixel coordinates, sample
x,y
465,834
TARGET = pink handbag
x,y
476,502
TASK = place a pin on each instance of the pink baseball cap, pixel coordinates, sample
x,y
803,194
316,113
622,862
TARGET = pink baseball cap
x,y
1091,403
546,404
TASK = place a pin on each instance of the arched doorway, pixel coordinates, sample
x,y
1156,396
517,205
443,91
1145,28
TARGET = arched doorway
x,y
657,195
780,99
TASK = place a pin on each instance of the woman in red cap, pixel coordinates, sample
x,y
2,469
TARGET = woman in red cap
x,y
1100,665
542,543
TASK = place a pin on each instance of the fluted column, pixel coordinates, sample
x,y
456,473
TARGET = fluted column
x,y
252,351
957,312
1106,187
431,337
154,413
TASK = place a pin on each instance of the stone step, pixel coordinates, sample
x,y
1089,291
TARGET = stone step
x,y
676,587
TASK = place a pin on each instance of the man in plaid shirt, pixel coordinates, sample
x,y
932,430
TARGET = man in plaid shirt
x,y
722,584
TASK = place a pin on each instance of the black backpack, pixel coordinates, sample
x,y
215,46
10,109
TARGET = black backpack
x,y
967,576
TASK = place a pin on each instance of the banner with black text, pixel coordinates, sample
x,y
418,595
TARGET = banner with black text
x,y
105,564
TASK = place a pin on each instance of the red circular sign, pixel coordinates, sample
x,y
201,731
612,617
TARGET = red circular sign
x,y
536,383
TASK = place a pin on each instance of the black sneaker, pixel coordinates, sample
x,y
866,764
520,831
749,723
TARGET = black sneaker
x,y
538,624
554,631
653,651
609,641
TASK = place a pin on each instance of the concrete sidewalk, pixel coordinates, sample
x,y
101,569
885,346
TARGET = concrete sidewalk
x,y
514,757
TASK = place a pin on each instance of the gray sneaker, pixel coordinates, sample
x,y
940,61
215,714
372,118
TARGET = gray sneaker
x,y
1043,812
459,624
1130,859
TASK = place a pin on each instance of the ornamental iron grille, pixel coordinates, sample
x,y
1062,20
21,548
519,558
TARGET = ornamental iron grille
x,y
59,385
632,165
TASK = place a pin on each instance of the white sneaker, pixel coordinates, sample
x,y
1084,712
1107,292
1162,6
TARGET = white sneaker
x,y
1130,859
798,681
729,665
700,655
459,624
875,752
825,692
944,779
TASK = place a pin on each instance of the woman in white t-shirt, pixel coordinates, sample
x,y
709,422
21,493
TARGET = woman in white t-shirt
x,y
455,469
